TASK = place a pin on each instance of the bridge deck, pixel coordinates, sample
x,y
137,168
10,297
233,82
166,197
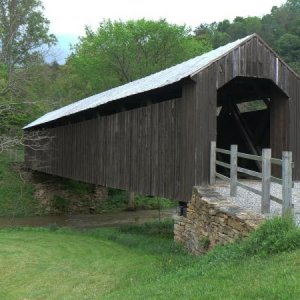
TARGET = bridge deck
x,y
251,201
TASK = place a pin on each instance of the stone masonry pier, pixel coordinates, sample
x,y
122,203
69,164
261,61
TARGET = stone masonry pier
x,y
212,219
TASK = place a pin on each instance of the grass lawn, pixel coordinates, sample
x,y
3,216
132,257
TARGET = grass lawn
x,y
138,263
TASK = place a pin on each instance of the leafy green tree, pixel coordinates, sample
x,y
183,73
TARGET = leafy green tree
x,y
23,32
280,28
119,52
24,35
224,32
289,46
213,33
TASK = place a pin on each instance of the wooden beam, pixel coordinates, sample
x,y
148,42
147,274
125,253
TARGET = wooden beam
x,y
245,130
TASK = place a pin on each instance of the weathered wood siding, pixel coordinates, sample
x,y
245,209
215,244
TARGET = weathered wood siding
x,y
146,150
162,149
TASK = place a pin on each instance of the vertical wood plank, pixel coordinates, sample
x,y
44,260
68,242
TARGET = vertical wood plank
x,y
233,170
212,180
287,183
266,180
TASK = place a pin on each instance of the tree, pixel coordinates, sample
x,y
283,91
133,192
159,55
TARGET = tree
x,y
224,32
289,47
23,33
119,52
280,29
23,37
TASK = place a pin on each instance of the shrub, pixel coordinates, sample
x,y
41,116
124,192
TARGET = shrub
x,y
60,203
76,187
204,243
118,199
274,236
148,202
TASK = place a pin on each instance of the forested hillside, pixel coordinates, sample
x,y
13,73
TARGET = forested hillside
x,y
115,53
280,29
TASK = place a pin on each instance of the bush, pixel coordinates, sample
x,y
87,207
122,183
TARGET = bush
x,y
76,187
274,236
148,202
205,243
118,200
60,203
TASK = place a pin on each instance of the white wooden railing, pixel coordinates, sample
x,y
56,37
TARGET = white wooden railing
x,y
265,176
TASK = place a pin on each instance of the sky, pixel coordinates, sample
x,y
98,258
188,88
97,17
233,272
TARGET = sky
x,y
69,17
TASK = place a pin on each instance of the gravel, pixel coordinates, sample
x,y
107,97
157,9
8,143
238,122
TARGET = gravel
x,y
251,201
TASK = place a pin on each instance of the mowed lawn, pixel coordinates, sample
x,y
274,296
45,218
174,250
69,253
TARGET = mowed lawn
x,y
135,264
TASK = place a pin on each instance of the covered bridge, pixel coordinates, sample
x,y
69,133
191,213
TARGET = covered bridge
x,y
152,135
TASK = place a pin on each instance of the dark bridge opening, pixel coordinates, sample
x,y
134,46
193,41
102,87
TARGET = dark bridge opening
x,y
251,113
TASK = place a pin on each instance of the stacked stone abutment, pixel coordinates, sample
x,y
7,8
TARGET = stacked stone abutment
x,y
212,219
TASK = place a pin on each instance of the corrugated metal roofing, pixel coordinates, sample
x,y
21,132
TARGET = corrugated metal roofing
x,y
151,82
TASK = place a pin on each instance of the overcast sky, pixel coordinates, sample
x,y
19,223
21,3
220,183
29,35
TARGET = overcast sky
x,y
68,17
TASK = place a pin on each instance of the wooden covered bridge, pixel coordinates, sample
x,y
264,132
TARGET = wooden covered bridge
x,y
152,135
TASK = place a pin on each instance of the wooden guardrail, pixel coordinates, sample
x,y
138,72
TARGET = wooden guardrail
x,y
265,176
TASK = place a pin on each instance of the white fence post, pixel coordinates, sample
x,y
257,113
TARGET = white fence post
x,y
212,179
287,182
266,180
233,170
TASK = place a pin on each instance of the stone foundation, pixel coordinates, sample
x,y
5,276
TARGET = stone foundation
x,y
212,219
101,193
100,197
56,195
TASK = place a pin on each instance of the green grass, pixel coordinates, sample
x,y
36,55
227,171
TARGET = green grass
x,y
142,262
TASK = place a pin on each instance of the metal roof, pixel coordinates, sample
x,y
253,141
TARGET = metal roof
x,y
151,82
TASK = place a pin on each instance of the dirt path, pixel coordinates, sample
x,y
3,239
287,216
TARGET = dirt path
x,y
90,221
